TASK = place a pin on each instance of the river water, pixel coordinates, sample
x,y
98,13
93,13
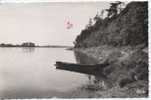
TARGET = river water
x,y
30,73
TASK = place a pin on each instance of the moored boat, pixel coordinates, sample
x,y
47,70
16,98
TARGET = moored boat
x,y
95,69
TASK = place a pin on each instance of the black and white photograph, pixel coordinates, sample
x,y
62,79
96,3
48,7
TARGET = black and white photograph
x,y
85,49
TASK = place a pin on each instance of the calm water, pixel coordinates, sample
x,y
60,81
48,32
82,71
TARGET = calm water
x,y
30,72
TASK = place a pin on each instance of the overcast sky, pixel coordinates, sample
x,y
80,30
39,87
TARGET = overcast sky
x,y
45,23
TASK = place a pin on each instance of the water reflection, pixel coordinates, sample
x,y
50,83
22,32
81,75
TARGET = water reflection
x,y
30,73
96,82
28,49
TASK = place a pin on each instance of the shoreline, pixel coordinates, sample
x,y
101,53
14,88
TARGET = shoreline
x,y
123,70
33,47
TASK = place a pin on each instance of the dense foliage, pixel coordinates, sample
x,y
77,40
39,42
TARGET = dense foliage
x,y
129,27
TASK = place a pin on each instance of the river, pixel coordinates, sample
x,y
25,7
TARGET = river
x,y
30,73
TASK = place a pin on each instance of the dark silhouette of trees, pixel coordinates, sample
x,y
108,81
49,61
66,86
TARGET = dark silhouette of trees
x,y
98,20
114,9
6,45
28,44
89,24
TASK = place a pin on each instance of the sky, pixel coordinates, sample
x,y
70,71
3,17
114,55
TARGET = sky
x,y
45,23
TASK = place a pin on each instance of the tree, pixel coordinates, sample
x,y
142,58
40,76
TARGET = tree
x,y
90,23
120,6
97,17
28,44
115,8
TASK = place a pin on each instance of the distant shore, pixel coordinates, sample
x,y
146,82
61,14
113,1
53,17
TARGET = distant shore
x,y
32,45
35,47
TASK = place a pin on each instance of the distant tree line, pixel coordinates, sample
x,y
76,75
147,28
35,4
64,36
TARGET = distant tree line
x,y
25,44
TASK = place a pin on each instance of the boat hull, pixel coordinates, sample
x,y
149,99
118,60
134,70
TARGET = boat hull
x,y
96,69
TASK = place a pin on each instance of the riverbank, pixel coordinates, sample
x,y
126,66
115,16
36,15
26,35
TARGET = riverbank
x,y
128,70
120,40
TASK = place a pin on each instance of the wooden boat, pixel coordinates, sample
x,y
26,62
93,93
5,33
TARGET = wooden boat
x,y
95,69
